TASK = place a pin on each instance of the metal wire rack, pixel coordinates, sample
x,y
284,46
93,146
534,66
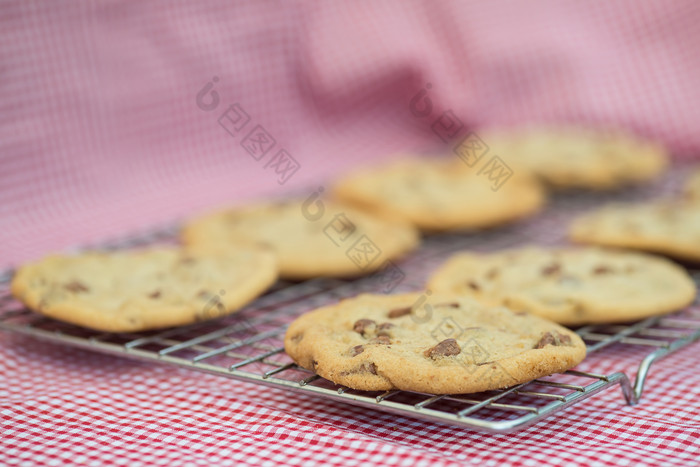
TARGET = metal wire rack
x,y
249,344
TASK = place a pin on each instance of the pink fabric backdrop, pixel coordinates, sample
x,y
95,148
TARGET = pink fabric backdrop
x,y
100,132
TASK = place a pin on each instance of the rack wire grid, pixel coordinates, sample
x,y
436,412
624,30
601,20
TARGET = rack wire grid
x,y
248,345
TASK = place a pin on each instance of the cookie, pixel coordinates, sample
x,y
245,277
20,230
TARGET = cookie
x,y
130,291
579,158
570,286
432,344
311,238
667,227
440,195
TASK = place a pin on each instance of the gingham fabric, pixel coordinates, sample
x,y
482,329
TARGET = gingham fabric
x,y
62,405
117,116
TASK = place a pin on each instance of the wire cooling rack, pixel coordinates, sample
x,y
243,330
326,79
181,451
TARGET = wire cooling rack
x,y
249,345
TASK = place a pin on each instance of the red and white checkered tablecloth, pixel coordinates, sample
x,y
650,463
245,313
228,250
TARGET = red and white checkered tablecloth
x,y
116,116
62,405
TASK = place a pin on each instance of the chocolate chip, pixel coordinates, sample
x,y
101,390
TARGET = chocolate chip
x,y
546,339
384,329
563,339
203,294
445,348
448,305
357,350
492,273
551,269
599,270
553,338
367,367
362,325
384,340
155,294
297,337
474,286
399,312
76,287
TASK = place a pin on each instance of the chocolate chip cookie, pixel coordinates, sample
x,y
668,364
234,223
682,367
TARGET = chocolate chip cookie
x,y
132,291
438,344
321,238
577,157
440,195
668,227
571,286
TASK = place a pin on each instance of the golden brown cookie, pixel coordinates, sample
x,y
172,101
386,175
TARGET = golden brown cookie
x,y
435,344
579,158
129,291
571,286
667,227
311,239
440,195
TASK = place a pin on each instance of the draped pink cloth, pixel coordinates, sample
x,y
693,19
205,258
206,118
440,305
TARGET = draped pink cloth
x,y
100,132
